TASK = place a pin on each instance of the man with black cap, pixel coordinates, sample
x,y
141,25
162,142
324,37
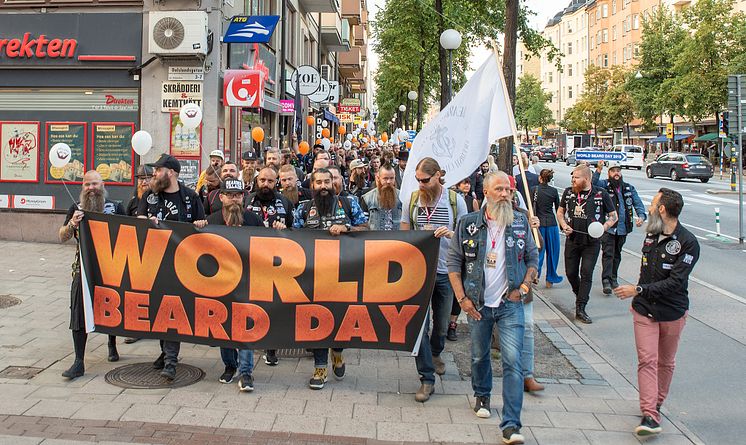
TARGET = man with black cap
x,y
169,200
249,168
144,174
403,157
212,202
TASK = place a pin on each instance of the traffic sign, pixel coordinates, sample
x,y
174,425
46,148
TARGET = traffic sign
x,y
600,156
669,131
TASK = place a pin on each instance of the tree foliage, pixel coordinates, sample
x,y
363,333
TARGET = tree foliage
x,y
531,110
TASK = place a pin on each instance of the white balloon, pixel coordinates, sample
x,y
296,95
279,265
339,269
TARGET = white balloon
x,y
326,143
349,137
380,143
595,229
324,124
60,154
371,132
190,115
365,140
347,145
142,142
403,136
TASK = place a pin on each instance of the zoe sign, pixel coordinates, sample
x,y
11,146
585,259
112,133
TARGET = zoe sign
x,y
307,78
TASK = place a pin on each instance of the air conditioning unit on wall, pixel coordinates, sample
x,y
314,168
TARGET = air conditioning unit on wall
x,y
326,72
178,33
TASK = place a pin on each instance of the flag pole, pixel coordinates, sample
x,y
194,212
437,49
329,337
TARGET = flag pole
x,y
516,151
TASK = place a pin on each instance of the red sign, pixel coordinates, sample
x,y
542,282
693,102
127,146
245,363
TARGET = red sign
x,y
348,109
111,100
41,47
243,88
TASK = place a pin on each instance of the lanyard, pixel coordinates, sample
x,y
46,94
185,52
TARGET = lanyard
x,y
580,202
429,215
493,234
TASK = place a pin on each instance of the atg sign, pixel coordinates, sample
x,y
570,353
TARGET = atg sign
x,y
251,29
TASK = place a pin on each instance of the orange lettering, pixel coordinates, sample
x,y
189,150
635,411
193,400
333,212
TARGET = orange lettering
x,y
304,316
171,315
378,256
264,276
209,316
106,307
242,312
229,264
357,323
326,284
398,321
142,269
136,311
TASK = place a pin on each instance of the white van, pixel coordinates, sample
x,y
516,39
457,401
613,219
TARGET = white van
x,y
634,155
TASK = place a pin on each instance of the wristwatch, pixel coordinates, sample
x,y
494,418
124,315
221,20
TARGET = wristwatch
x,y
638,289
348,227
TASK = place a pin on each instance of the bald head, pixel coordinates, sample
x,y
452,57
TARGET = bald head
x,y
92,175
583,171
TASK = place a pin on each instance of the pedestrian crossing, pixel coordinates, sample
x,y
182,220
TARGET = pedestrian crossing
x,y
696,198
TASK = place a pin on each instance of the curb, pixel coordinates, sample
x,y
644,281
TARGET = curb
x,y
684,430
722,192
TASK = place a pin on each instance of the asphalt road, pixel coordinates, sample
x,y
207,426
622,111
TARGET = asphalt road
x,y
707,394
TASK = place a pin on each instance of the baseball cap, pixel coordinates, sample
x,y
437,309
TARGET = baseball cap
x,y
357,163
217,153
249,155
167,161
231,186
615,164
144,171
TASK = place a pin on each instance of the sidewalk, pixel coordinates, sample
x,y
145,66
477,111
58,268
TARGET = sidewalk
x,y
373,404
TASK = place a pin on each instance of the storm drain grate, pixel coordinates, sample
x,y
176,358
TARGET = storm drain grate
x,y
143,376
20,372
294,353
7,301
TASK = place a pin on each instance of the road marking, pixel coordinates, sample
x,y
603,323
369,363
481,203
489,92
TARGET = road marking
x,y
686,199
704,283
709,231
715,198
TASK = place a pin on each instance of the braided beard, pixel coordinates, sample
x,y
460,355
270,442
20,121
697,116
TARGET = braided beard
x,y
233,214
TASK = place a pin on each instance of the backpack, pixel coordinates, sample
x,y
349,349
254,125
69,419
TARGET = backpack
x,y
415,198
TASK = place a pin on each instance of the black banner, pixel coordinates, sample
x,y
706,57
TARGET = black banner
x,y
256,287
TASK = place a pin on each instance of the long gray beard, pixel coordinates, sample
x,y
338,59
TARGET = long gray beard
x,y
654,225
93,201
501,212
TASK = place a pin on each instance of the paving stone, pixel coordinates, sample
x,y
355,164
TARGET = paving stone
x,y
466,415
559,436
16,440
425,414
132,399
235,401
556,389
574,420
611,437
16,406
299,424
596,382
248,421
399,431
603,392
354,396
53,392
12,391
329,409
449,400
150,413
350,427
618,422
535,418
492,434
186,397
398,400
199,416
542,402
54,408
586,405
102,411
446,432
377,413
628,407
671,439
280,406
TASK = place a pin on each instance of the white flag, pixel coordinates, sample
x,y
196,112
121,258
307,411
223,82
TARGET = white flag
x,y
459,137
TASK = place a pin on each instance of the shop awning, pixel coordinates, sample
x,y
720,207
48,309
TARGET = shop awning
x,y
328,115
663,139
709,137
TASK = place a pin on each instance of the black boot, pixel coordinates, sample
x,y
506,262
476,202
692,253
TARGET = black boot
x,y
75,371
113,353
607,287
160,362
581,316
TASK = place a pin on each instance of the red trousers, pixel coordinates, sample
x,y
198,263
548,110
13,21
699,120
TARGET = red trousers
x,y
656,343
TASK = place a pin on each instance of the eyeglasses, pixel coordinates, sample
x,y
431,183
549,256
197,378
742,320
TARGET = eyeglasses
x,y
423,180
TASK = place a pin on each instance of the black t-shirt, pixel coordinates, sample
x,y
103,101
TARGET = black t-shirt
x,y
583,208
249,219
168,206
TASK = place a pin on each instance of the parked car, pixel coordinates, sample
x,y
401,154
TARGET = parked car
x,y
547,154
681,165
634,155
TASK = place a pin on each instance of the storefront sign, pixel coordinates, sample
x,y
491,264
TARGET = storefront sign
x,y
351,101
19,142
253,29
288,106
112,151
308,79
322,94
74,135
4,201
185,141
40,47
186,73
175,95
349,109
31,202
346,118
333,97
243,88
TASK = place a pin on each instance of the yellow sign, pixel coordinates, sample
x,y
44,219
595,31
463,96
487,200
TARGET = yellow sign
x,y
669,131
358,120
541,132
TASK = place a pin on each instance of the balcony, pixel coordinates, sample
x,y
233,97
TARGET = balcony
x,y
320,5
361,35
350,63
364,53
331,33
352,11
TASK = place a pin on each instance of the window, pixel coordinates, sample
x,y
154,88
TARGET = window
x,y
569,70
604,10
606,35
598,14
636,50
550,77
636,21
569,92
613,32
591,42
613,7
614,58
569,48
569,27
291,35
598,38
606,61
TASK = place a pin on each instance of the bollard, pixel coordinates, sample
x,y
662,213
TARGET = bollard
x,y
717,220
733,170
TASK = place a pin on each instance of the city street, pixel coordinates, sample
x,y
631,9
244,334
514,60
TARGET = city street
x,y
713,347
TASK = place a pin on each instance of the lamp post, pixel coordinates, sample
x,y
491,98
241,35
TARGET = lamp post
x,y
450,39
403,121
411,96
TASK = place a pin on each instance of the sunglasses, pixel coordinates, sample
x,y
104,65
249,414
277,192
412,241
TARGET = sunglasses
x,y
424,180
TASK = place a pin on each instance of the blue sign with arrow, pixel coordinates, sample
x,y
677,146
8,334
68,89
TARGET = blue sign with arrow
x,y
251,29
600,156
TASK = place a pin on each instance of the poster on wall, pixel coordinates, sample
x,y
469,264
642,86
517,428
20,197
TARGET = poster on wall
x,y
185,142
19,142
112,151
74,135
189,173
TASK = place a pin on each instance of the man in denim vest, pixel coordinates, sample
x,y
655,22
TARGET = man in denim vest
x,y
491,263
382,203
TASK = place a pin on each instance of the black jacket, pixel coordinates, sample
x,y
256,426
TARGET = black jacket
x,y
545,200
531,178
664,275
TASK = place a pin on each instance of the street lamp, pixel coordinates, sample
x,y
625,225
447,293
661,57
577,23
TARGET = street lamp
x,y
638,75
403,116
450,39
411,96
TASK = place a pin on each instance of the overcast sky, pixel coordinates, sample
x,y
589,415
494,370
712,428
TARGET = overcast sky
x,y
545,9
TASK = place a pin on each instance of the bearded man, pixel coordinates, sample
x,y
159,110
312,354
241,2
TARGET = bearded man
x,y
492,261
290,186
144,175
249,169
212,202
382,203
358,178
93,198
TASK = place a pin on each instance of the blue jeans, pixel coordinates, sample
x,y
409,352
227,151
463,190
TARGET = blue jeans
x,y
321,357
433,345
241,359
230,357
527,356
509,319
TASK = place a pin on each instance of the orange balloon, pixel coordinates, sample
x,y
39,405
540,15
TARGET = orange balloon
x,y
325,132
257,134
341,130
318,141
365,125
409,144
303,148
385,137
309,120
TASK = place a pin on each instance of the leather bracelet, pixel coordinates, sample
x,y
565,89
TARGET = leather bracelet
x,y
459,301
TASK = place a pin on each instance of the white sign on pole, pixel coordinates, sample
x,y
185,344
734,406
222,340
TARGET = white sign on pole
x,y
333,92
186,73
321,94
310,80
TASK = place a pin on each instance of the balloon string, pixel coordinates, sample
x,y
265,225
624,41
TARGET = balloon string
x,y
71,195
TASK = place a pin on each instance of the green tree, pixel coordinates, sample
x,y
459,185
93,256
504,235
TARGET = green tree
x,y
531,110
575,120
